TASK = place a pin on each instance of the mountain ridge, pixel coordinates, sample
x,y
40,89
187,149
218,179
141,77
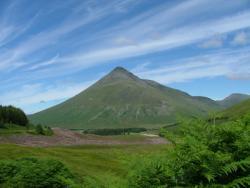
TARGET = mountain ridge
x,y
233,99
121,99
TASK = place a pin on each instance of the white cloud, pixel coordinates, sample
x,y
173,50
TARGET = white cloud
x,y
138,32
51,36
167,17
44,63
239,76
172,39
33,94
123,41
212,43
221,63
9,30
141,67
241,38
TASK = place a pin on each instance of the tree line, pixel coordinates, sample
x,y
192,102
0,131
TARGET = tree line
x,y
118,131
11,114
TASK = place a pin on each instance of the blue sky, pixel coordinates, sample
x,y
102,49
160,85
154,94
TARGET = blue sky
x,y
51,50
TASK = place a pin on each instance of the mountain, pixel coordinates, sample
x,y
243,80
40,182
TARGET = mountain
x,y
121,99
233,99
238,110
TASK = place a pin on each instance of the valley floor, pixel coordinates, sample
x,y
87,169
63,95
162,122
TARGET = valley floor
x,y
64,137
96,161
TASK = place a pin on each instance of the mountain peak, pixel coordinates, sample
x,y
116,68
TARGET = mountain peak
x,y
120,73
119,69
233,99
237,95
121,99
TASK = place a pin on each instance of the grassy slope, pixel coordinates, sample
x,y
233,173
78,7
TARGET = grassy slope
x,y
123,100
238,110
96,165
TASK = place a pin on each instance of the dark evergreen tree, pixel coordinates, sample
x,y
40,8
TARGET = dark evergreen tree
x,y
10,114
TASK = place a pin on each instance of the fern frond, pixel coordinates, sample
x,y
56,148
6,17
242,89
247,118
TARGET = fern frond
x,y
235,166
210,176
239,183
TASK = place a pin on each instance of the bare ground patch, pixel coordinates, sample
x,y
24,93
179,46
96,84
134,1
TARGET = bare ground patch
x,y
68,138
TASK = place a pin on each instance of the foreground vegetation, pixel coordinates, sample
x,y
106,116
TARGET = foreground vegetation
x,y
201,155
91,166
32,172
204,155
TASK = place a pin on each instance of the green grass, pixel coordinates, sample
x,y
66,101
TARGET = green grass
x,y
96,166
10,129
13,129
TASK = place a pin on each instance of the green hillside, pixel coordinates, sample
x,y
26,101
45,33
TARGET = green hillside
x,y
233,99
121,99
238,110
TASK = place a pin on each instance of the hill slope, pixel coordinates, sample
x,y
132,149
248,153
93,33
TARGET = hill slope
x,y
237,111
233,99
121,99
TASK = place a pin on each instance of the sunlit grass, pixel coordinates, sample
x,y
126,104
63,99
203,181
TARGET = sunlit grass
x,y
92,165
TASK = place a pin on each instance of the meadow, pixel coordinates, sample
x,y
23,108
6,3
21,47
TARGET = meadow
x,y
93,166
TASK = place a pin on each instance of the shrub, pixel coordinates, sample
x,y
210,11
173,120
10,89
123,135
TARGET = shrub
x,y
39,129
151,175
32,172
49,131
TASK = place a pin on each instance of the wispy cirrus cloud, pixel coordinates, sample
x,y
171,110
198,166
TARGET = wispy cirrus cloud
x,y
51,61
173,39
214,42
241,38
84,14
227,63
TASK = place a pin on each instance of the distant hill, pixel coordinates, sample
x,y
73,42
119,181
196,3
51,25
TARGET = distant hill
x,y
237,111
121,99
233,99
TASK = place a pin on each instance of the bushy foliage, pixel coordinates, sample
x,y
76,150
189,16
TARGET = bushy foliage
x,y
203,155
39,129
49,131
10,114
32,172
148,173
